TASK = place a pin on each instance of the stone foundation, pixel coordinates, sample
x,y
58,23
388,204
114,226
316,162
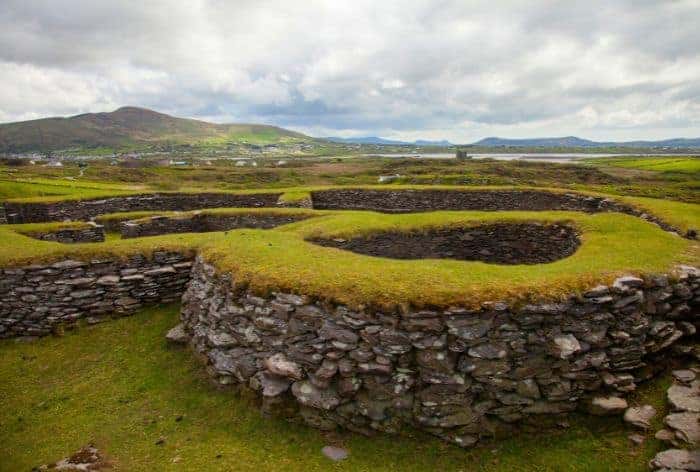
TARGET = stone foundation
x,y
458,374
38,299
93,233
82,210
203,222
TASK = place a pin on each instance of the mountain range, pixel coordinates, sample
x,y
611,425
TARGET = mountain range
x,y
138,128
383,141
573,141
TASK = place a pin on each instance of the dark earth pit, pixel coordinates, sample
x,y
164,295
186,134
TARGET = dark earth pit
x,y
500,243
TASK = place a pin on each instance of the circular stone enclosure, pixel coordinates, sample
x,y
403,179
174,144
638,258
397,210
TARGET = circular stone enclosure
x,y
498,243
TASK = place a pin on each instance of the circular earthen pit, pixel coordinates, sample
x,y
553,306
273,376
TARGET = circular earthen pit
x,y
499,243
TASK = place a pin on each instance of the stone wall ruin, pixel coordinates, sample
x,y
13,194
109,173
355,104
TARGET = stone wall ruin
x,y
455,373
203,222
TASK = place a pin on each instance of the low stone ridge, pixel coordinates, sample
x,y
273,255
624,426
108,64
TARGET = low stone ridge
x,y
36,300
513,243
202,223
83,210
92,233
461,375
390,201
408,200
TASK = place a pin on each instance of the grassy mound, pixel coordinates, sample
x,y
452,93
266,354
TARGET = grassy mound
x,y
120,385
612,244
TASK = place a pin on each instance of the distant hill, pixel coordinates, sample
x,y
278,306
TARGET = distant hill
x,y
131,127
573,141
383,141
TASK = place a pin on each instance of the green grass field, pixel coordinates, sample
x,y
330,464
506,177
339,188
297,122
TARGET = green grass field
x,y
118,384
686,165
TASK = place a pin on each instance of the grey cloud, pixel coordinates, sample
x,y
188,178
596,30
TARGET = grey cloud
x,y
468,68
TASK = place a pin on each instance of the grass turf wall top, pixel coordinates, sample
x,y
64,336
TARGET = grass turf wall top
x,y
281,259
287,193
612,245
683,216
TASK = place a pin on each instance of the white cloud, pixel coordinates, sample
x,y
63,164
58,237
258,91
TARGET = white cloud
x,y
452,69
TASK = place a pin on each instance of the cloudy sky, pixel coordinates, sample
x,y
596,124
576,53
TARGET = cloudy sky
x,y
459,70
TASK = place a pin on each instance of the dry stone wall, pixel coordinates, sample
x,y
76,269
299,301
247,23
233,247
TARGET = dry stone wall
x,y
81,210
433,200
36,300
405,200
202,222
93,233
458,374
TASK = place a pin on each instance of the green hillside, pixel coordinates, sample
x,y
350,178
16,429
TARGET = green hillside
x,y
131,127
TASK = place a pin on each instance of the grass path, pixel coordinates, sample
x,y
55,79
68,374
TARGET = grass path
x,y
120,385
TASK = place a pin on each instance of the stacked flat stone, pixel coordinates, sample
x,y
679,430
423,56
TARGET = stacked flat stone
x,y
399,201
356,199
83,210
202,222
682,424
92,233
459,374
36,300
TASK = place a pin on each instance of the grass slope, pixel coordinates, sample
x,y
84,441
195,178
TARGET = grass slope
x,y
120,385
131,127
